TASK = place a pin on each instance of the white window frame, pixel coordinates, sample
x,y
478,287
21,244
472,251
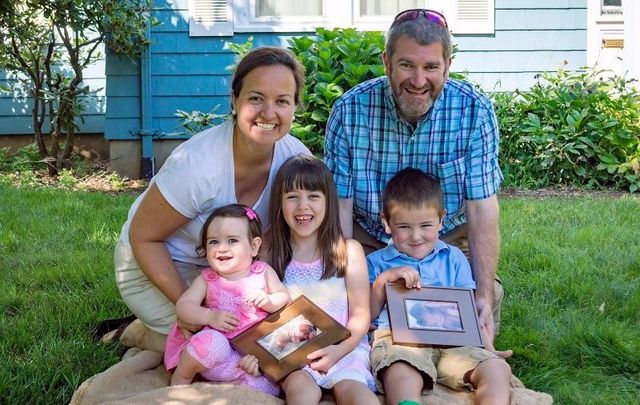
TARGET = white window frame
x,y
345,14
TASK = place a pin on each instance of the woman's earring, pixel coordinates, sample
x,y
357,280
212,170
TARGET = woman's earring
x,y
233,112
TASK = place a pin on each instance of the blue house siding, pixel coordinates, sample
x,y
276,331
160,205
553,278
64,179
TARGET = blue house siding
x,y
15,111
188,73
531,36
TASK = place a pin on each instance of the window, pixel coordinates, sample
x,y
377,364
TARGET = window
x,y
611,7
225,17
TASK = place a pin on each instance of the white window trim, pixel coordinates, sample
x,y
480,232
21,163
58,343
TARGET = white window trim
x,y
336,13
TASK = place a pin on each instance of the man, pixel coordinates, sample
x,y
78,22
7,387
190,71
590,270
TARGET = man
x,y
416,116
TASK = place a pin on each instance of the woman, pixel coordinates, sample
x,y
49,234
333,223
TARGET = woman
x,y
155,258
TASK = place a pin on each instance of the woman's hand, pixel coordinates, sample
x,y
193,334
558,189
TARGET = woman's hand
x,y
323,359
249,364
188,329
222,320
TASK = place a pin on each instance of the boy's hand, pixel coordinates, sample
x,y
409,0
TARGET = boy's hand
x,y
258,298
410,276
222,320
249,364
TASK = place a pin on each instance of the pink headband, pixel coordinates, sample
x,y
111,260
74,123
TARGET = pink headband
x,y
251,214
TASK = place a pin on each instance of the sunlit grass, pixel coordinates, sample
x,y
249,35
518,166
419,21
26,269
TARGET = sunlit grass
x,y
571,271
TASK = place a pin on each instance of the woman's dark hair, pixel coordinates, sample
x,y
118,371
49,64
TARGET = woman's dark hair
x,y
268,56
304,172
231,211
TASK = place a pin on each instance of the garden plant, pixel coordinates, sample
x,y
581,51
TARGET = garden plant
x,y
46,45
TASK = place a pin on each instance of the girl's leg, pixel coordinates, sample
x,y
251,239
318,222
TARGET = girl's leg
x,y
402,382
300,388
353,392
491,379
187,369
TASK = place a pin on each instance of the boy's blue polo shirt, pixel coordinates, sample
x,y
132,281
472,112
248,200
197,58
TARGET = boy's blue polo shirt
x,y
446,266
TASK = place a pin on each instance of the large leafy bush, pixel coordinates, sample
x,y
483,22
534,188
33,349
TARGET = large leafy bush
x,y
335,61
571,128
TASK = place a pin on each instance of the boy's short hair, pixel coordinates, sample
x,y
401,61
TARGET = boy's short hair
x,y
412,188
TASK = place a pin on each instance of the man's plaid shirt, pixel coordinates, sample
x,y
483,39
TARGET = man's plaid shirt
x,y
366,143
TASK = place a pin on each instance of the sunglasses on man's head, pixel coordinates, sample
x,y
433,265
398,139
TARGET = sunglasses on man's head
x,y
414,13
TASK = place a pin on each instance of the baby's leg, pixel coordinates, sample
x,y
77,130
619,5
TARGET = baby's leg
x,y
262,384
208,353
300,388
187,369
491,379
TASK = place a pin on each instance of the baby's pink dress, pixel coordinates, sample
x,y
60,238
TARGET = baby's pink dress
x,y
211,347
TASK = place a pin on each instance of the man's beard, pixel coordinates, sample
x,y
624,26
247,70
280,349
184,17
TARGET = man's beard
x,y
413,110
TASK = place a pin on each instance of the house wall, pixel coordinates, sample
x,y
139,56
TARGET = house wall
x,y
188,73
15,112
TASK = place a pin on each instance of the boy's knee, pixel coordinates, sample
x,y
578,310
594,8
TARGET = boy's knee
x,y
401,374
494,371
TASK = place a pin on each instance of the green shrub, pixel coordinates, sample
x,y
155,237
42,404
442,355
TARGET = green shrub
x,y
571,128
335,61
196,121
25,158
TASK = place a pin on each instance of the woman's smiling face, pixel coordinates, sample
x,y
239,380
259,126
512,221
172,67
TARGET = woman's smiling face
x,y
265,105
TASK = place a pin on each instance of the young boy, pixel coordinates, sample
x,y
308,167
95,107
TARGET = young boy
x,y
412,212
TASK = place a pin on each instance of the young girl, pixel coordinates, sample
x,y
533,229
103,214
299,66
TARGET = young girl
x,y
237,291
311,256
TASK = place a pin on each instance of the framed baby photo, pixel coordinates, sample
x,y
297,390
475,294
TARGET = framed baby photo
x,y
282,341
433,316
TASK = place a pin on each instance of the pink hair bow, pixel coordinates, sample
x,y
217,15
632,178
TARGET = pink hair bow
x,y
251,214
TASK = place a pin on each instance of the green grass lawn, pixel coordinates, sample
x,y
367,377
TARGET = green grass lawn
x,y
571,270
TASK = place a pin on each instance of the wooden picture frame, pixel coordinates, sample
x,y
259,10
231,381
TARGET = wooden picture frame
x,y
433,316
274,340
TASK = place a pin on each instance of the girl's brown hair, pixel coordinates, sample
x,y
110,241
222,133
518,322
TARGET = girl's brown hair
x,y
231,211
307,173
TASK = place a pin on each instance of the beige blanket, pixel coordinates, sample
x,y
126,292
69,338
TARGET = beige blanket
x,y
140,378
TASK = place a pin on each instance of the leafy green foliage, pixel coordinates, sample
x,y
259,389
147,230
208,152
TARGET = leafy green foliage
x,y
335,60
25,158
571,128
196,121
47,44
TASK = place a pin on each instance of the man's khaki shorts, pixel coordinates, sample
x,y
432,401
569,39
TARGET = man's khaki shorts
x,y
446,366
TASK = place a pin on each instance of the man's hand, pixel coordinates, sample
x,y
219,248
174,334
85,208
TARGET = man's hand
x,y
222,320
485,318
488,340
410,276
